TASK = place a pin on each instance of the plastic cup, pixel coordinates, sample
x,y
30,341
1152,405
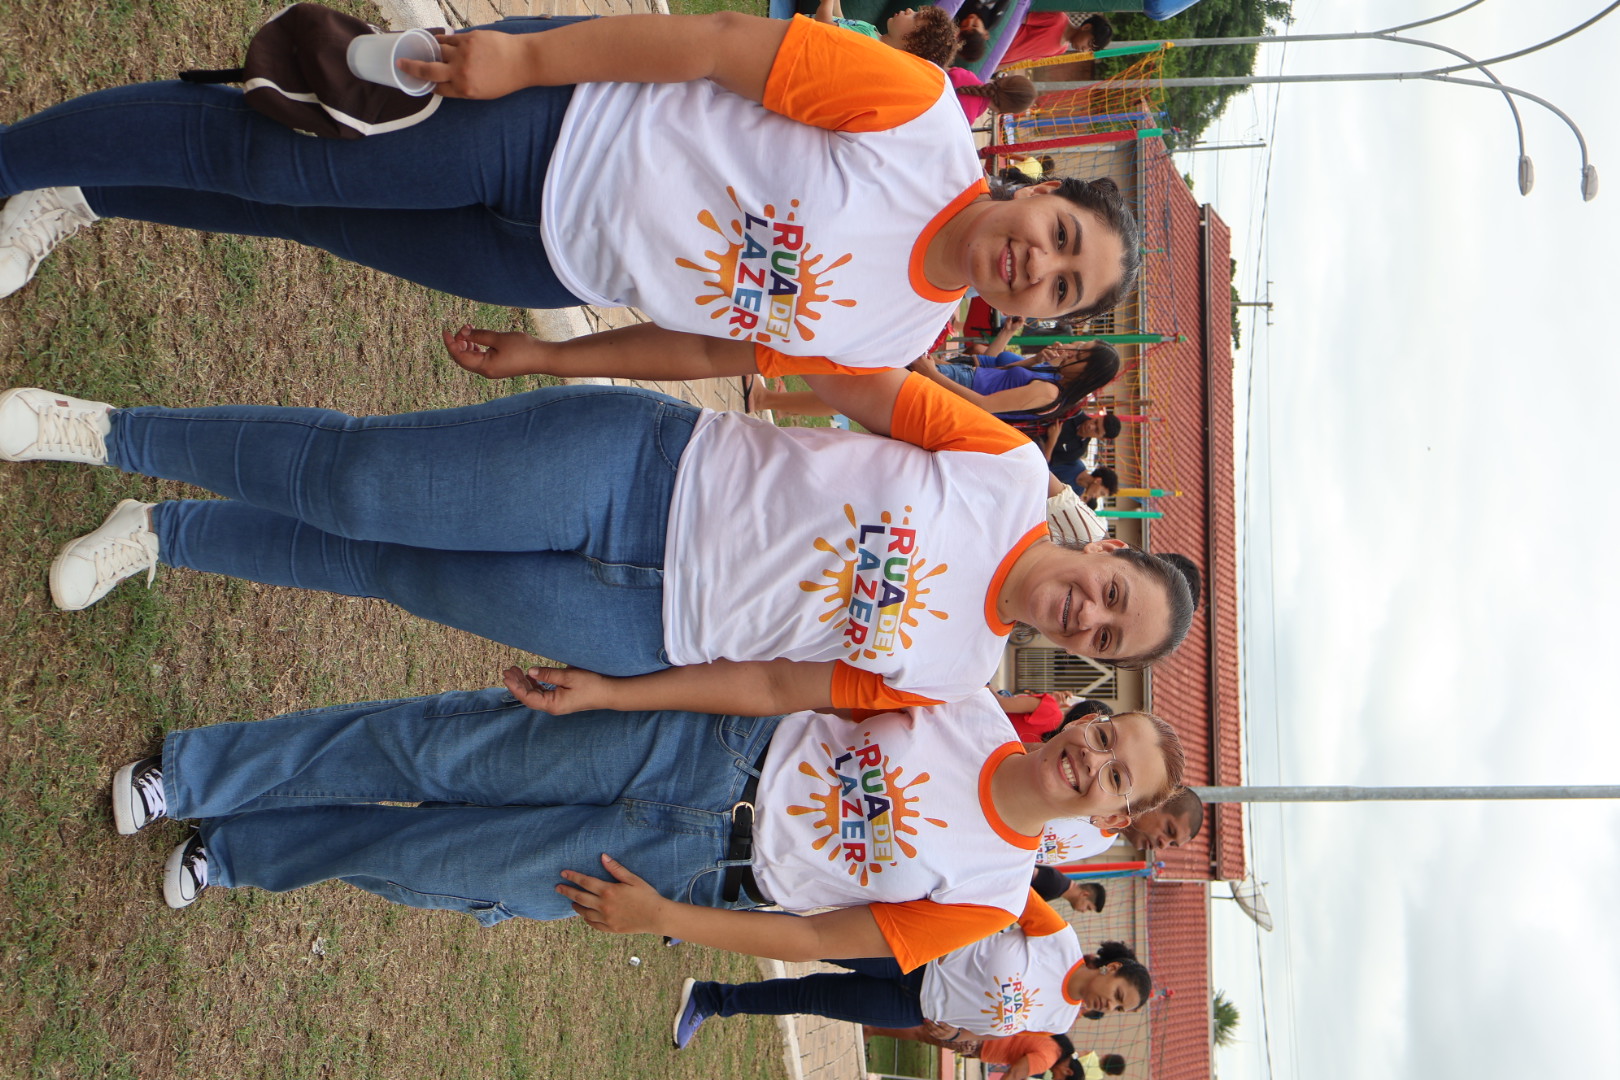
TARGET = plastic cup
x,y
371,57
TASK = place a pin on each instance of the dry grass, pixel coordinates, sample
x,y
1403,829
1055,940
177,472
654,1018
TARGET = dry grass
x,y
102,980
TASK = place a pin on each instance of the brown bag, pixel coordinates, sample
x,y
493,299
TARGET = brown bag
x,y
297,73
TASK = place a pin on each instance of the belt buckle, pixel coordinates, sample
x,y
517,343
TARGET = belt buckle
x,y
737,807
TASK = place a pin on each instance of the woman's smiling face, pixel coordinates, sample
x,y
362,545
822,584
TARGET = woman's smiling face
x,y
1093,603
1040,255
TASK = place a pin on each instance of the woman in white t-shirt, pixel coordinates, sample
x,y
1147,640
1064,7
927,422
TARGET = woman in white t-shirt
x,y
736,566
1030,977
806,198
919,827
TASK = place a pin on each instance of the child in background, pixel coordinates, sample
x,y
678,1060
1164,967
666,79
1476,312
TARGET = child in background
x,y
928,32
974,39
1010,94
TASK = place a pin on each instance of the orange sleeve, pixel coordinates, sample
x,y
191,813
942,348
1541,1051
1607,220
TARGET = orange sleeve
x,y
921,930
1040,918
856,688
930,416
827,77
776,364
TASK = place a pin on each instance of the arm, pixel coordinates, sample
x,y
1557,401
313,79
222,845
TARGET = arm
x,y
1009,330
1019,1070
866,399
751,688
735,51
829,10
1018,703
643,351
1026,398
628,905
1054,432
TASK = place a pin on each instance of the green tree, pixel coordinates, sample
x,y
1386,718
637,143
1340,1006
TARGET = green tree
x,y
1191,109
1226,1018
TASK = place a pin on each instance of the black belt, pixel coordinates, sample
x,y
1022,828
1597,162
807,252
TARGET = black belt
x,y
739,879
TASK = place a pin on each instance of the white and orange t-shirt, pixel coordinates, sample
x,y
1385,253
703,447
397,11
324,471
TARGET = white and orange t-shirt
x,y
818,545
798,224
1010,982
895,811
1068,840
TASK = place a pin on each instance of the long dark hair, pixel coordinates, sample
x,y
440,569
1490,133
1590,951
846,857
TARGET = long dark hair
x,y
1101,362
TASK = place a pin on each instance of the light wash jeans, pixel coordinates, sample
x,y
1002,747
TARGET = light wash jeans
x,y
518,796
452,203
535,520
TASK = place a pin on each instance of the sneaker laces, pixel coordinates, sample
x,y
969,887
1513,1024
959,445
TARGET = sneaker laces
x,y
70,431
45,225
149,786
195,863
119,557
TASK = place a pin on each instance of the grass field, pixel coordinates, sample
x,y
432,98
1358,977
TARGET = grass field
x,y
101,979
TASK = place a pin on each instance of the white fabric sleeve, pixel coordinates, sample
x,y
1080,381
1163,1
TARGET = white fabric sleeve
x,y
1070,519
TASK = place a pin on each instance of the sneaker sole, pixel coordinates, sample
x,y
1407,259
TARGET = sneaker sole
x,y
122,792
680,1013
172,872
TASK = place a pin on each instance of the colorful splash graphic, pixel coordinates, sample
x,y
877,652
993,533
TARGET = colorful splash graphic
x,y
868,811
1055,849
767,281
1010,1004
878,589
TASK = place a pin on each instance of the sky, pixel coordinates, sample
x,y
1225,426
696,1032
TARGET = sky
x,y
1429,592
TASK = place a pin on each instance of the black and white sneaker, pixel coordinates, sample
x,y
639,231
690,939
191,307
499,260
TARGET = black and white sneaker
x,y
185,875
137,795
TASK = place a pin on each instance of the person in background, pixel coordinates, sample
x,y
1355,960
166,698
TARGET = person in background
x,y
926,32
1050,33
1009,94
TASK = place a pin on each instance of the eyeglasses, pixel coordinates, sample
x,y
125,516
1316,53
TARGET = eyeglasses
x,y
1113,778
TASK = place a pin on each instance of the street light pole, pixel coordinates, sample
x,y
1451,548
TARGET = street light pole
x,y
1398,794
1589,175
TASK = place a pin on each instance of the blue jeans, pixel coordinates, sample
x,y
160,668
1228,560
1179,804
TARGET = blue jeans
x,y
957,372
874,992
452,203
535,520
517,796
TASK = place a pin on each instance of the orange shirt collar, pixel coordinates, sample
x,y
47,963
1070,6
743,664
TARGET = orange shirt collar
x,y
919,250
1077,966
1039,532
988,805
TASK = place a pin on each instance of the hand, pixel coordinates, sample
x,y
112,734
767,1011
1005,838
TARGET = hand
x,y
625,905
934,1029
924,365
1016,322
495,354
558,691
476,64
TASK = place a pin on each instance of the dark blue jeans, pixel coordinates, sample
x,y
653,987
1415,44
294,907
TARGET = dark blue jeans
x,y
517,796
874,992
452,203
536,520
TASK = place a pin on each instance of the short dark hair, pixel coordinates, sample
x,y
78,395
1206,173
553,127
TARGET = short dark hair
x,y
1108,476
933,38
1098,894
972,43
1112,426
1102,31
1113,1064
1189,807
1131,969
1065,1053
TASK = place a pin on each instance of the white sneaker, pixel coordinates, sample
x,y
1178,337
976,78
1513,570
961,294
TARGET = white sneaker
x,y
32,223
137,795
37,425
185,874
89,567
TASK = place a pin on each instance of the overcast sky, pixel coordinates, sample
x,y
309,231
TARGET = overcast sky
x,y
1431,595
